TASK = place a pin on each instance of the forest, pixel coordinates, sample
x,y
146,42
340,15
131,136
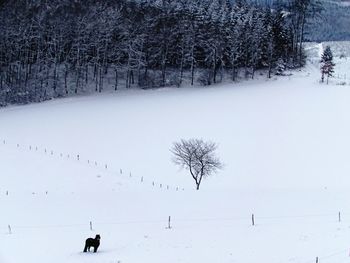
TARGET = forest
x,y
58,48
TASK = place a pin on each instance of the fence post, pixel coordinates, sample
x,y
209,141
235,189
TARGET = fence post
x,y
142,179
91,225
253,220
10,230
339,218
169,222
78,157
316,259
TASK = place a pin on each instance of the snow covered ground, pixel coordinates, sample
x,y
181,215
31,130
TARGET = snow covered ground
x,y
285,144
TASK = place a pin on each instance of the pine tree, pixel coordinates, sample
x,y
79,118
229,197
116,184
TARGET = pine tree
x,y
327,64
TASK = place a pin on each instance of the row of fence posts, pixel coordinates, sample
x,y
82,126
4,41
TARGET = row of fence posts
x,y
91,226
253,222
78,158
170,227
253,218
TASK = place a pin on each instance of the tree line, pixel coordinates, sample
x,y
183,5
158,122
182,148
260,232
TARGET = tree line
x,y
57,48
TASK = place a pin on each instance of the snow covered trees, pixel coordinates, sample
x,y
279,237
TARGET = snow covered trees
x,y
327,64
198,157
61,47
300,12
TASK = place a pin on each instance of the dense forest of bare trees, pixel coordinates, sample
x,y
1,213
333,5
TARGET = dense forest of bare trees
x,y
54,48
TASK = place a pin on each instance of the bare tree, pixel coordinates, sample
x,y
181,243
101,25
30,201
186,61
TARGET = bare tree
x,y
198,157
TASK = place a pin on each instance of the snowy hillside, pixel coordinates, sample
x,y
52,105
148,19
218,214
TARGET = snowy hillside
x,y
285,144
341,56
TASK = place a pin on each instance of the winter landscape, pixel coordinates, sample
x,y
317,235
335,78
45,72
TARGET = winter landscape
x,y
100,163
284,143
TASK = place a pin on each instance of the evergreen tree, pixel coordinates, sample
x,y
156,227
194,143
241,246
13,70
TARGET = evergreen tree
x,y
327,64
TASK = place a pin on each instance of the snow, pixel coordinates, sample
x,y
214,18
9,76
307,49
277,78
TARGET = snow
x,y
285,144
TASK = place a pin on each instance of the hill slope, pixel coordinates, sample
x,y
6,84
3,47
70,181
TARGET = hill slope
x,y
284,143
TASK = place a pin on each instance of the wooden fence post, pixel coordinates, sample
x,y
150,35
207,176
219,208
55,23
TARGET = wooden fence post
x,y
253,220
169,222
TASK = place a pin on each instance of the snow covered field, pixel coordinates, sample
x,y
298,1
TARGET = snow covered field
x,y
285,144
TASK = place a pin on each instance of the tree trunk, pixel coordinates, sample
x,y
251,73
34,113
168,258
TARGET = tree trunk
x,y
127,79
116,79
301,38
65,79
101,80
214,66
192,70
86,74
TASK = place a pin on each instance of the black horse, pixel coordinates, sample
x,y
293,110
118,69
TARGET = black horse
x,y
92,242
